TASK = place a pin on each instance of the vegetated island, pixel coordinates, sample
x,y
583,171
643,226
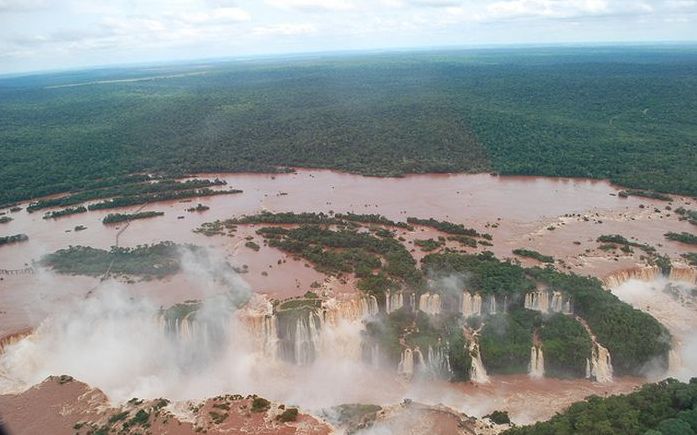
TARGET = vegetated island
x,y
114,218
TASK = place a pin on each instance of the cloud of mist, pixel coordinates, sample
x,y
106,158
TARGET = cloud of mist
x,y
672,304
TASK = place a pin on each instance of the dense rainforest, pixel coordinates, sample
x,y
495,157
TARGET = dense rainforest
x,y
626,114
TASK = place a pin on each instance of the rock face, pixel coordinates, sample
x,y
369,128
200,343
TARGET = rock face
x,y
62,405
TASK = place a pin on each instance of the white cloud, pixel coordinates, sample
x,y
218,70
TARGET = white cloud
x,y
313,5
285,30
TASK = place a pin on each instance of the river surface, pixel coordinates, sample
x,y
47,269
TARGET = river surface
x,y
555,216
558,217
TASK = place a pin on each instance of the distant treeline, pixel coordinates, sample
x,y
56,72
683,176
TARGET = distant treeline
x,y
620,113
134,189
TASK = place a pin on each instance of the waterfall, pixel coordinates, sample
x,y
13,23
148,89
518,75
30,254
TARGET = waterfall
x,y
269,337
369,306
683,273
537,301
393,301
430,303
406,363
375,355
471,304
438,362
648,273
354,309
306,339
492,305
412,301
11,339
601,364
567,307
477,371
557,305
537,363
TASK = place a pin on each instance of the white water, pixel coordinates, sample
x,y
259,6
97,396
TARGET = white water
x,y
537,363
599,367
471,304
477,371
430,303
393,301
406,363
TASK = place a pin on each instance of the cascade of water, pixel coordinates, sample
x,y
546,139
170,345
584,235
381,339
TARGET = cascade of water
x,y
406,363
557,305
269,337
537,363
537,301
492,305
375,355
567,307
393,301
683,273
648,273
477,370
412,301
430,303
438,362
306,339
471,304
601,364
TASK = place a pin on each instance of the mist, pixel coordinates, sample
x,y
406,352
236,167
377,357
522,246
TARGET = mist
x,y
673,304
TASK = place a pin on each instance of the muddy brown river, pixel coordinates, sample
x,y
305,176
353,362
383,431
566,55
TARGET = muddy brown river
x,y
555,216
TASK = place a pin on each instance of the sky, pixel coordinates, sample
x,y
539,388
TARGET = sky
x,y
62,34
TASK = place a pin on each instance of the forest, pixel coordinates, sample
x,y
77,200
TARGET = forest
x,y
624,113
666,408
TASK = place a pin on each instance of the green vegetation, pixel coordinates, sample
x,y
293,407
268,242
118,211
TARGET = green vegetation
x,y
290,414
342,251
506,340
582,112
499,417
533,254
199,208
252,245
633,338
691,258
688,215
428,245
683,237
668,407
644,194
5,219
149,261
6,240
65,212
135,186
448,227
156,197
566,345
114,218
260,405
